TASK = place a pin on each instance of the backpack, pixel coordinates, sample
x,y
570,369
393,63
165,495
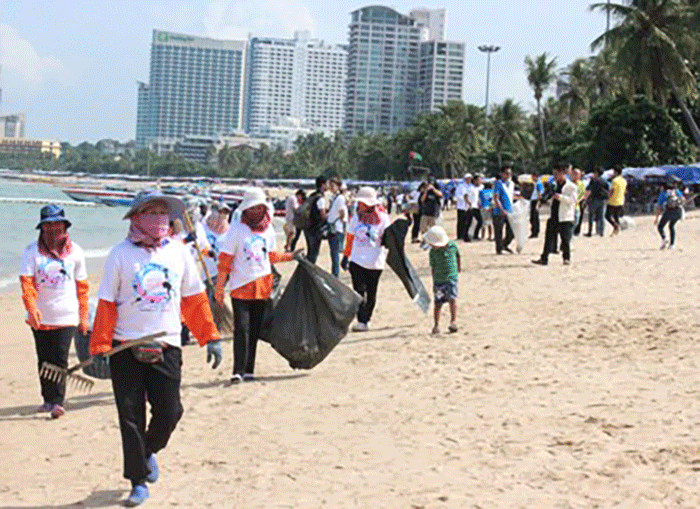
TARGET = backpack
x,y
674,201
303,215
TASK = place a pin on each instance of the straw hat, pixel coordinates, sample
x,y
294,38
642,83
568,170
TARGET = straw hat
x,y
175,205
436,236
367,195
252,197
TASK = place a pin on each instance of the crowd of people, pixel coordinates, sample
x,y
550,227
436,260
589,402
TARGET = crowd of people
x,y
152,282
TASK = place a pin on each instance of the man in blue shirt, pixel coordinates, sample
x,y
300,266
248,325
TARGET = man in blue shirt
x,y
502,205
537,192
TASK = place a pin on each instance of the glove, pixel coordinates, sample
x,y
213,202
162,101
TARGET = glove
x,y
34,319
299,255
191,237
345,263
212,254
214,353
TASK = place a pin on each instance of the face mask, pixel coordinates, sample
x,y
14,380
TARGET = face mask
x,y
155,225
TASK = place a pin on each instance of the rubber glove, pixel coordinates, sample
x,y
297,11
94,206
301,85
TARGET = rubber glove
x,y
345,263
214,353
34,319
299,255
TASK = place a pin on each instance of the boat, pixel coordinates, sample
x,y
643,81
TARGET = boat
x,y
108,197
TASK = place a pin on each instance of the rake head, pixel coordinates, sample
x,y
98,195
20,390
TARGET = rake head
x,y
62,375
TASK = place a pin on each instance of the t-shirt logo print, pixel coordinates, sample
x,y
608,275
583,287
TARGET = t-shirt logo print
x,y
153,287
367,235
255,249
52,273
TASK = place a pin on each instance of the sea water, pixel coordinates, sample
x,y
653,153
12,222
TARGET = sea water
x,y
95,229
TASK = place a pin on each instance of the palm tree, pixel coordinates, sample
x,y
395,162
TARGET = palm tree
x,y
540,75
652,42
509,128
575,89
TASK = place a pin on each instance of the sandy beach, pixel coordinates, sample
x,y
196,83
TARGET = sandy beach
x,y
565,387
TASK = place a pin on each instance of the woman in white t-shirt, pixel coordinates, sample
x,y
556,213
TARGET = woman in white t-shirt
x,y
215,228
245,269
337,220
365,255
150,280
55,295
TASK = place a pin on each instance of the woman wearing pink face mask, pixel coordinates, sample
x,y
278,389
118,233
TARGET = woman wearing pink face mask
x,y
55,294
149,282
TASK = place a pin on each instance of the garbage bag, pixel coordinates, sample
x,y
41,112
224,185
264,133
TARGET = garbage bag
x,y
311,316
518,220
395,240
100,368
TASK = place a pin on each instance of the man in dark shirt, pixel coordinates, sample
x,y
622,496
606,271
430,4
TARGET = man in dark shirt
x,y
597,196
429,206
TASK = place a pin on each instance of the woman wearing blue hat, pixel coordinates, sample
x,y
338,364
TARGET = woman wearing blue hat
x,y
55,294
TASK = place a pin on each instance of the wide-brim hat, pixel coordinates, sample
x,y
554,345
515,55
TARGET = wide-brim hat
x,y
367,195
175,205
52,214
436,236
253,197
467,176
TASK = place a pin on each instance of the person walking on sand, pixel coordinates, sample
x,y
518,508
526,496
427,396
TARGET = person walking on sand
x,y
486,206
535,202
669,205
291,204
461,193
597,194
318,214
561,221
503,191
55,294
337,221
616,200
247,255
445,265
577,178
474,212
149,282
415,208
429,205
365,255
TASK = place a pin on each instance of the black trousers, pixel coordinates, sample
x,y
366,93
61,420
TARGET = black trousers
x,y
534,219
498,223
313,244
134,383
670,217
52,346
415,228
365,282
247,321
565,231
473,214
613,215
293,246
462,224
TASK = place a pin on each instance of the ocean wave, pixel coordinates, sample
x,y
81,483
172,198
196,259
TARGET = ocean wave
x,y
97,253
7,282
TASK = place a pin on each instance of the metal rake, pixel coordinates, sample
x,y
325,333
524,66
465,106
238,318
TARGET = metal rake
x,y
70,375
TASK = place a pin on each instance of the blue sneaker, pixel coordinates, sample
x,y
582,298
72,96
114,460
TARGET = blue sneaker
x,y
138,495
153,467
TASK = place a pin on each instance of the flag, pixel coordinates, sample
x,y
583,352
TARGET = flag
x,y
415,155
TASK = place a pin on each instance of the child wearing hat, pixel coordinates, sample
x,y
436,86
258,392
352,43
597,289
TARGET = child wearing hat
x,y
55,295
445,265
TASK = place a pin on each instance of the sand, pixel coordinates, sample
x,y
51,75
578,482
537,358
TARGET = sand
x,y
565,387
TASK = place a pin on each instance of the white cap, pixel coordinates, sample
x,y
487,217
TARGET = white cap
x,y
436,236
467,176
367,195
252,197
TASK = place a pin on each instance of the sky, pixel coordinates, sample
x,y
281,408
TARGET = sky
x,y
72,65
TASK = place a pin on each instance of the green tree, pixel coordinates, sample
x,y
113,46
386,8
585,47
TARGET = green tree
x,y
652,42
540,75
510,134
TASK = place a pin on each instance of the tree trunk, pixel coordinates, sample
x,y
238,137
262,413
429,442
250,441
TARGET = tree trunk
x,y
686,114
539,118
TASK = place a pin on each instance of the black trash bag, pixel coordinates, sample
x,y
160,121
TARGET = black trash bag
x,y
394,239
311,316
277,289
98,369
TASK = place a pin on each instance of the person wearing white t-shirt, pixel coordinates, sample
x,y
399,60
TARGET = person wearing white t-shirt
x,y
55,295
414,207
337,220
215,228
290,207
247,254
474,212
149,281
462,206
365,255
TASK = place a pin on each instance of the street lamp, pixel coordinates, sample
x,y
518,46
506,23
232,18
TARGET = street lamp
x,y
488,49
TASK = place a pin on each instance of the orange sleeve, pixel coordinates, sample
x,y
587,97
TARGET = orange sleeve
x,y
276,257
29,294
349,238
103,328
224,267
83,288
198,318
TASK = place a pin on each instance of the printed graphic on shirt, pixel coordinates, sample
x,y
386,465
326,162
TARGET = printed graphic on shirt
x,y
52,274
153,287
255,249
366,235
214,243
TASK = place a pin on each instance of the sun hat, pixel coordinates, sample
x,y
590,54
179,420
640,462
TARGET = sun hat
x,y
51,214
220,206
367,195
252,197
175,205
467,176
525,179
436,236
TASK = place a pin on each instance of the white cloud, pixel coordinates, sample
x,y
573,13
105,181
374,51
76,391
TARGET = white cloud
x,y
17,55
236,19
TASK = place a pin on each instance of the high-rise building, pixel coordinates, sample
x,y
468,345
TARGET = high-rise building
x,y
383,58
435,20
195,87
12,126
301,79
441,75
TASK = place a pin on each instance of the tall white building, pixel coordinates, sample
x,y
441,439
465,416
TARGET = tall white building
x,y
435,20
441,74
195,89
300,78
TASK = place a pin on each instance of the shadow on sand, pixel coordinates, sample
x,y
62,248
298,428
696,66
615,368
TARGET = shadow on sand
x,y
103,498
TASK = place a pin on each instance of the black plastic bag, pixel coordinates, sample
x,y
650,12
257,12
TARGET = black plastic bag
x,y
98,369
311,316
395,239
